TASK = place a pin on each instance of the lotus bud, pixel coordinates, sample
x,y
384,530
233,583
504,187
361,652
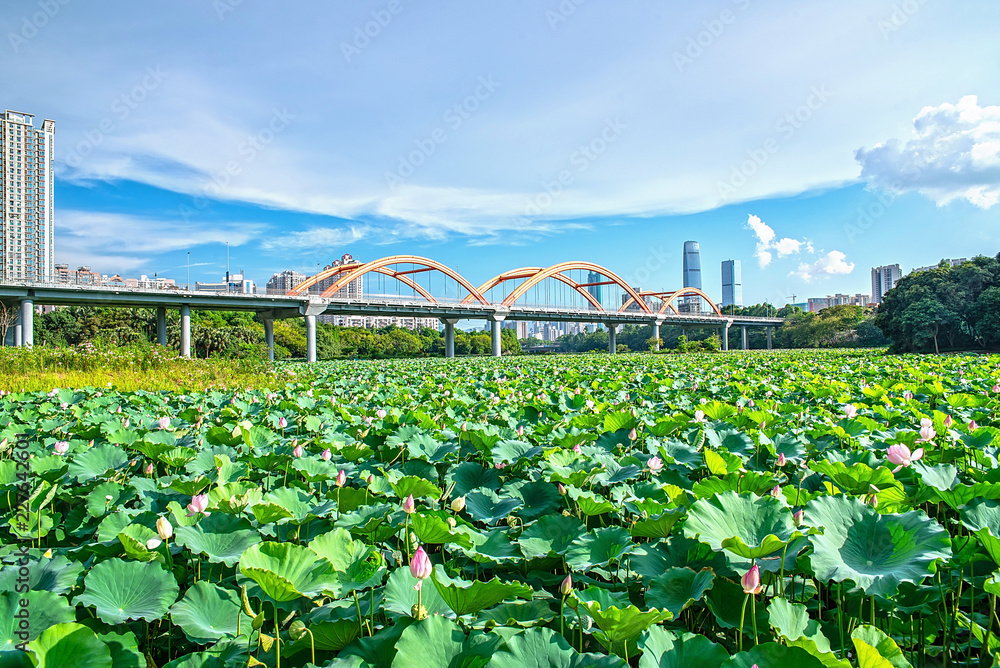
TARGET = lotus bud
x,y
163,528
797,518
566,586
872,501
409,507
926,422
61,447
370,479
153,543
458,505
420,566
751,581
948,421
149,468
632,435
973,426
907,395
781,459
927,435
297,452
577,449
327,455
776,491
451,522
341,478
108,498
996,389
245,599
198,505
562,490
126,423
520,430
282,422
163,422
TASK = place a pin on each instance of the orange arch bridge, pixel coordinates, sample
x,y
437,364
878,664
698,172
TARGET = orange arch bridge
x,y
669,300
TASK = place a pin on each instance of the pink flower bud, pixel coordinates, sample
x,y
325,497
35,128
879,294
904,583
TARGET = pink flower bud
x,y
149,468
327,455
797,518
520,430
577,449
566,586
163,422
381,414
973,426
198,505
632,435
562,490
297,452
655,464
282,422
61,447
420,564
948,421
409,507
781,459
751,581
341,478
457,505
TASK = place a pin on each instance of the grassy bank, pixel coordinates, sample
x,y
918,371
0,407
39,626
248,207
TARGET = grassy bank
x,y
131,368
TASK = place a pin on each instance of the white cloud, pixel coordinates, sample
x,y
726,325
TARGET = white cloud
x,y
952,153
766,242
833,263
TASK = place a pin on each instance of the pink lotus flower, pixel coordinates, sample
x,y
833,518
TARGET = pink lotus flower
x,y
149,468
297,452
577,449
566,586
61,447
926,422
900,455
751,581
948,422
973,426
908,395
654,464
341,478
327,455
927,434
797,517
409,507
381,414
750,403
699,416
850,410
282,422
562,490
420,567
776,491
520,430
996,389
198,505
632,435
164,422
781,459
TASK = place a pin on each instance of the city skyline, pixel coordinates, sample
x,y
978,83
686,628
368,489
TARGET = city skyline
x,y
810,186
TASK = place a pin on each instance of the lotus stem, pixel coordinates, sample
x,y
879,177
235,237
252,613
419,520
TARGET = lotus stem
x,y
361,624
753,614
743,613
277,635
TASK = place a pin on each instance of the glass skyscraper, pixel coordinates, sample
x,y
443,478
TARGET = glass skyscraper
x,y
732,283
692,275
26,218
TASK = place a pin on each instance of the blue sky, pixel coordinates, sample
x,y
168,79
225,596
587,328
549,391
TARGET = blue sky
x,y
810,140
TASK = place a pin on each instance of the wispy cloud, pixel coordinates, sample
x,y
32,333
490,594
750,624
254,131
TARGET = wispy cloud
x,y
833,263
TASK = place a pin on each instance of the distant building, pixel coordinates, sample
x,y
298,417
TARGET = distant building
x,y
234,283
692,276
817,304
953,263
281,283
732,283
26,200
82,276
651,302
353,290
146,283
593,278
883,280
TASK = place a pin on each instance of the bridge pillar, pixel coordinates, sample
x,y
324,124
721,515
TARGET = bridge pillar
x,y
310,338
449,336
27,323
769,338
496,323
269,338
161,325
725,335
612,338
17,329
744,328
185,331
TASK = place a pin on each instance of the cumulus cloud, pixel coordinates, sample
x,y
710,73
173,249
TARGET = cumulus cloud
x,y
952,153
833,263
768,244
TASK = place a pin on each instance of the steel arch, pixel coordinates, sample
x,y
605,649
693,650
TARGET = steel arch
x,y
353,272
527,272
668,299
535,275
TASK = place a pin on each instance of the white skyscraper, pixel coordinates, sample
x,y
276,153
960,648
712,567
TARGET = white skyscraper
x,y
26,217
883,280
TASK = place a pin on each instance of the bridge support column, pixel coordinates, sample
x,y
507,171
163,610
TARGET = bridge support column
x,y
612,338
769,337
27,323
725,335
310,338
161,325
744,334
656,333
449,337
269,338
17,329
185,331
496,327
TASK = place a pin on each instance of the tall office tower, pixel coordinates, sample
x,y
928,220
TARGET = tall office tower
x,y
692,275
732,283
595,290
26,220
883,280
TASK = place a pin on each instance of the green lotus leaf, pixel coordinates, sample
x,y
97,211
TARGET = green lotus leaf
x,y
314,470
57,574
982,518
517,614
285,571
855,479
69,645
678,588
544,648
122,590
874,648
134,538
875,551
358,566
96,462
486,506
437,642
599,548
468,476
552,534
418,487
400,595
465,597
590,503
207,613
620,627
773,655
292,499
791,622
432,529
538,499
425,447
124,649
44,609
220,536
510,452
658,526
664,649
749,526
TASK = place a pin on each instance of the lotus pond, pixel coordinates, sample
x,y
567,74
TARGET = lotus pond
x,y
797,510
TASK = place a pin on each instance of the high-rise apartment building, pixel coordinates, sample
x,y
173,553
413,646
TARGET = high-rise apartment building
x,y
26,217
732,283
692,276
593,287
883,280
281,283
353,290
